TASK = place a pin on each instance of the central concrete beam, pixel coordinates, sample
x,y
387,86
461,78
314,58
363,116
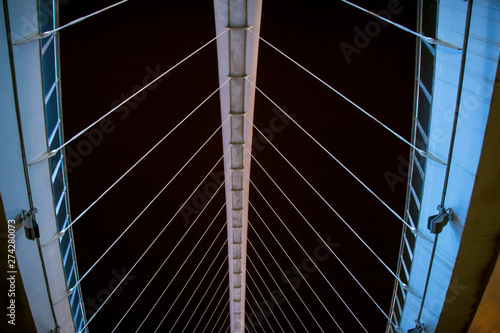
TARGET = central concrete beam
x,y
237,51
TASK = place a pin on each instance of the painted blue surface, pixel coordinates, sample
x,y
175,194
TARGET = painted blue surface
x,y
481,66
35,71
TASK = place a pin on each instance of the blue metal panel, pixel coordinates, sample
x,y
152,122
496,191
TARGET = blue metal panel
x,y
52,109
480,68
62,213
48,67
58,185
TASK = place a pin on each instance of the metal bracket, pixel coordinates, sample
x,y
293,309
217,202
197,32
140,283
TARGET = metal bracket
x,y
418,329
29,222
244,76
442,43
420,234
239,27
44,156
54,237
66,294
56,330
436,223
33,37
410,290
430,156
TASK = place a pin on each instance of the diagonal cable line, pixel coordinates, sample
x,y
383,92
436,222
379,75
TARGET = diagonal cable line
x,y
272,277
211,300
265,301
283,274
163,261
216,307
247,301
220,315
250,321
332,209
331,155
109,296
308,256
341,262
260,308
159,268
300,273
402,27
333,252
270,292
136,93
192,274
81,19
199,283
413,229
334,90
261,295
143,157
420,151
48,33
205,294
189,255
144,253
222,327
156,197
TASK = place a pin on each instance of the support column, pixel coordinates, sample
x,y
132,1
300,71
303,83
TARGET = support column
x,y
237,56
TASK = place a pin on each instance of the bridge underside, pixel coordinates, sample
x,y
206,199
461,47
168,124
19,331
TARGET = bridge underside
x,y
237,57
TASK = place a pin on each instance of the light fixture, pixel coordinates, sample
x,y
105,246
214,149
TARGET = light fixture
x,y
29,222
436,223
